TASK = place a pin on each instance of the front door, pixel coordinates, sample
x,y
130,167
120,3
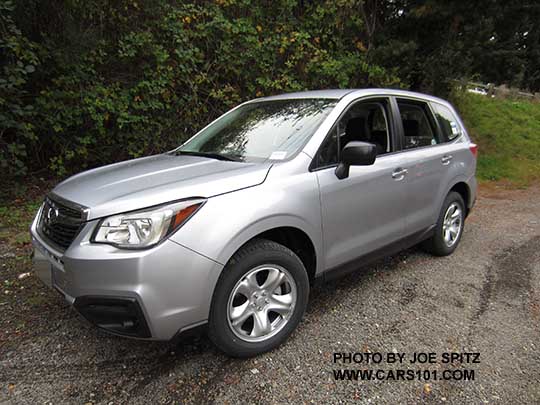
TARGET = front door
x,y
364,211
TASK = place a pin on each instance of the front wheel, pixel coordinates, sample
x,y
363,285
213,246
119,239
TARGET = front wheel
x,y
449,226
259,299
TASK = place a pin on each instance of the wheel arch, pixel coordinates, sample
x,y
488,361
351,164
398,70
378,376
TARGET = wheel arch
x,y
463,189
289,232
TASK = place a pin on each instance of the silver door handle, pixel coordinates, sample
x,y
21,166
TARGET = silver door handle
x,y
399,173
446,159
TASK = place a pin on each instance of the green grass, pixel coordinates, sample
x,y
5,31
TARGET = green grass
x,y
508,135
15,220
19,202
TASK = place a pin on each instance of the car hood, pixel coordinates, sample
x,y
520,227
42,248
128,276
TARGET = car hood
x,y
154,180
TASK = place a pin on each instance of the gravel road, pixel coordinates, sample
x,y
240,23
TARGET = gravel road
x,y
484,298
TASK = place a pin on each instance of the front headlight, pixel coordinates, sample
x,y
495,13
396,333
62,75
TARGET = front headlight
x,y
145,228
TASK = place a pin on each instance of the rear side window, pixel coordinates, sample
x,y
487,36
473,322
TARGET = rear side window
x,y
418,128
447,120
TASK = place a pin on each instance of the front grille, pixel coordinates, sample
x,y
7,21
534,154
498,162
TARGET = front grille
x,y
59,223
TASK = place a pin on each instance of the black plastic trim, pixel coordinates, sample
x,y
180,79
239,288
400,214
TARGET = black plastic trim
x,y
388,250
117,315
194,332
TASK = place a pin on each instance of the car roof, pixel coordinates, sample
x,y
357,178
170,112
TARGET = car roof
x,y
337,94
332,94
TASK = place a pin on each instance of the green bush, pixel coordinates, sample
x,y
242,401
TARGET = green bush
x,y
18,62
123,79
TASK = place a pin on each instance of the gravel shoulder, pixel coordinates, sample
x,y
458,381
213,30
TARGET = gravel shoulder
x,y
484,298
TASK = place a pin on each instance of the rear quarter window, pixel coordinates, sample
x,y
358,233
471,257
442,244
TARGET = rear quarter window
x,y
447,121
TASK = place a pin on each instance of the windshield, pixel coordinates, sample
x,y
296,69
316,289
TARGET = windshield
x,y
262,130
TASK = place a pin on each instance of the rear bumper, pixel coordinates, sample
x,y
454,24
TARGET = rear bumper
x,y
151,294
473,191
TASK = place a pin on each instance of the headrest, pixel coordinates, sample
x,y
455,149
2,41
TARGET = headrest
x,y
410,127
379,137
356,126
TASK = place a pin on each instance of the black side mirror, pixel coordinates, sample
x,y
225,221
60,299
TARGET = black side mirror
x,y
355,153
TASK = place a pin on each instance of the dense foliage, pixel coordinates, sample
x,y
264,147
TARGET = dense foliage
x,y
431,43
19,60
86,82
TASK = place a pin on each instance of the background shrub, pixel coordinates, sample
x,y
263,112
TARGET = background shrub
x,y
123,79
88,82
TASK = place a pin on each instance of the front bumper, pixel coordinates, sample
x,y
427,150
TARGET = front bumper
x,y
155,293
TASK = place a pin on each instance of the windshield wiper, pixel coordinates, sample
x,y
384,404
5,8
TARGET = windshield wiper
x,y
210,155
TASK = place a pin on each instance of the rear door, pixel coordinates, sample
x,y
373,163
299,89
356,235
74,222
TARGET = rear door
x,y
430,160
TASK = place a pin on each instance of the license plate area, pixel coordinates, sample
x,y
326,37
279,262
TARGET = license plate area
x,y
59,278
49,267
43,269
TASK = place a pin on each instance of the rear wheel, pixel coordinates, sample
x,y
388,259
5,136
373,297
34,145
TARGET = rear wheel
x,y
259,300
449,226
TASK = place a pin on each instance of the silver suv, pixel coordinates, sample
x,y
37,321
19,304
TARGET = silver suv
x,y
230,229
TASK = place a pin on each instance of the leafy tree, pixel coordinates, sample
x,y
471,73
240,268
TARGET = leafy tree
x,y
17,63
123,79
430,43
87,82
531,76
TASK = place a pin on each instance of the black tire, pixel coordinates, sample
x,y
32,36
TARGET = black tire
x,y
255,253
436,245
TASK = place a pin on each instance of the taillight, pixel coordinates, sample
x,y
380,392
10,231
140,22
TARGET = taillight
x,y
474,149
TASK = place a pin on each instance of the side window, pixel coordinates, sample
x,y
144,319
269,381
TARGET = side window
x,y
418,130
365,121
447,121
328,154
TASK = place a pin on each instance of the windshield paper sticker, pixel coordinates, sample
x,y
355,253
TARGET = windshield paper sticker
x,y
278,155
455,129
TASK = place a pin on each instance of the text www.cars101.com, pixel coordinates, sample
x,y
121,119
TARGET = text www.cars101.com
x,y
403,375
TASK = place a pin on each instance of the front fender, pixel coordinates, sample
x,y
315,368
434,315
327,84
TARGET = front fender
x,y
265,224
228,221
